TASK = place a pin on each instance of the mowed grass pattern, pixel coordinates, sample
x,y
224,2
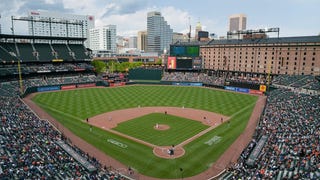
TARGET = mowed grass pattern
x,y
143,128
83,103
71,108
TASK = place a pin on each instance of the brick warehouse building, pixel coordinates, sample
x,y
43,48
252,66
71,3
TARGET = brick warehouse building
x,y
284,55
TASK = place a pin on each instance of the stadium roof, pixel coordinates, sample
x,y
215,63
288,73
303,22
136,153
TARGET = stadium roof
x,y
301,39
9,36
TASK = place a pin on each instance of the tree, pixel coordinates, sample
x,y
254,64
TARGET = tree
x,y
99,66
158,61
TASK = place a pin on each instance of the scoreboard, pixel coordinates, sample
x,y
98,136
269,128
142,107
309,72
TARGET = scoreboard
x,y
184,51
184,57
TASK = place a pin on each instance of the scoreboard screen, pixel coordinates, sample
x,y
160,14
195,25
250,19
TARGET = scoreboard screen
x,y
184,63
184,51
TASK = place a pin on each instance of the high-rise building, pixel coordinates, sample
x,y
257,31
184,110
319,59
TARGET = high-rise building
x,y
179,37
104,38
237,22
198,28
60,25
159,33
133,42
142,40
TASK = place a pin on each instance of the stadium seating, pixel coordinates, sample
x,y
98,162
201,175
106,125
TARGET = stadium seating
x,y
193,77
79,51
26,52
6,53
44,51
30,148
10,47
5,56
298,81
292,150
62,52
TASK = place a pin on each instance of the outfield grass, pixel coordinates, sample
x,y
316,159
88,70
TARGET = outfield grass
x,y
71,108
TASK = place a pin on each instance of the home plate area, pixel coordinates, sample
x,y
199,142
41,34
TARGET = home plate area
x,y
168,152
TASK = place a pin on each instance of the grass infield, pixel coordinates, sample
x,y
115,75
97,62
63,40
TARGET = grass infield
x,y
143,128
71,108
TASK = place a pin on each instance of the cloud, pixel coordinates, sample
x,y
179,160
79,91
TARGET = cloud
x,y
122,7
177,19
130,16
46,5
129,24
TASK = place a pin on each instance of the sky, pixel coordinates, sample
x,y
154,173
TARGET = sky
x,y
293,17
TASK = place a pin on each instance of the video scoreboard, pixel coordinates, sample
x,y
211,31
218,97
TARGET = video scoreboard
x,y
184,57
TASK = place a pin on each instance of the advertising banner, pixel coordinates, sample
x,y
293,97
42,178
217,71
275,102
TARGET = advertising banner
x,y
230,88
186,84
48,88
255,92
237,89
86,85
243,90
68,87
263,88
172,62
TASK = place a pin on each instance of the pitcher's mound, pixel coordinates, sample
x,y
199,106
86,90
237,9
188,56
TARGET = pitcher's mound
x,y
168,152
161,127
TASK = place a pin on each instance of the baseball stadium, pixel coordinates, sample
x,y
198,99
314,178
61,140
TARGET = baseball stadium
x,y
61,118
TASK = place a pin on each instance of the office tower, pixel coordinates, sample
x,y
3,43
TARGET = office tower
x,y
159,33
237,22
60,25
133,42
198,28
179,37
142,40
103,38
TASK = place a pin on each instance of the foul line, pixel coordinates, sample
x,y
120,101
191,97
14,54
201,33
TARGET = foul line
x,y
68,115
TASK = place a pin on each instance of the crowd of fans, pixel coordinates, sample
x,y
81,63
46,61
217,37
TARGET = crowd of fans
x,y
298,81
44,68
29,146
291,122
217,79
57,80
47,80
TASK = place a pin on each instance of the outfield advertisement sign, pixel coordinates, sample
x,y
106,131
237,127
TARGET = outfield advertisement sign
x,y
186,84
48,88
68,87
243,90
255,92
86,85
236,89
230,88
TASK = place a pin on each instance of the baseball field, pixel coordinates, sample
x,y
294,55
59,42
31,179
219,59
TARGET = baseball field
x,y
72,109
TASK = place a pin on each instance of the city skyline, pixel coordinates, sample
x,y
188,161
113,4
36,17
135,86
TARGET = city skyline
x,y
293,17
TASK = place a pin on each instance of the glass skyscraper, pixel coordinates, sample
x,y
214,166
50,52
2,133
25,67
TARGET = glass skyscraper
x,y
159,33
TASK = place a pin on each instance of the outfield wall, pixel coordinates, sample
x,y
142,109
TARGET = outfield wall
x,y
31,90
